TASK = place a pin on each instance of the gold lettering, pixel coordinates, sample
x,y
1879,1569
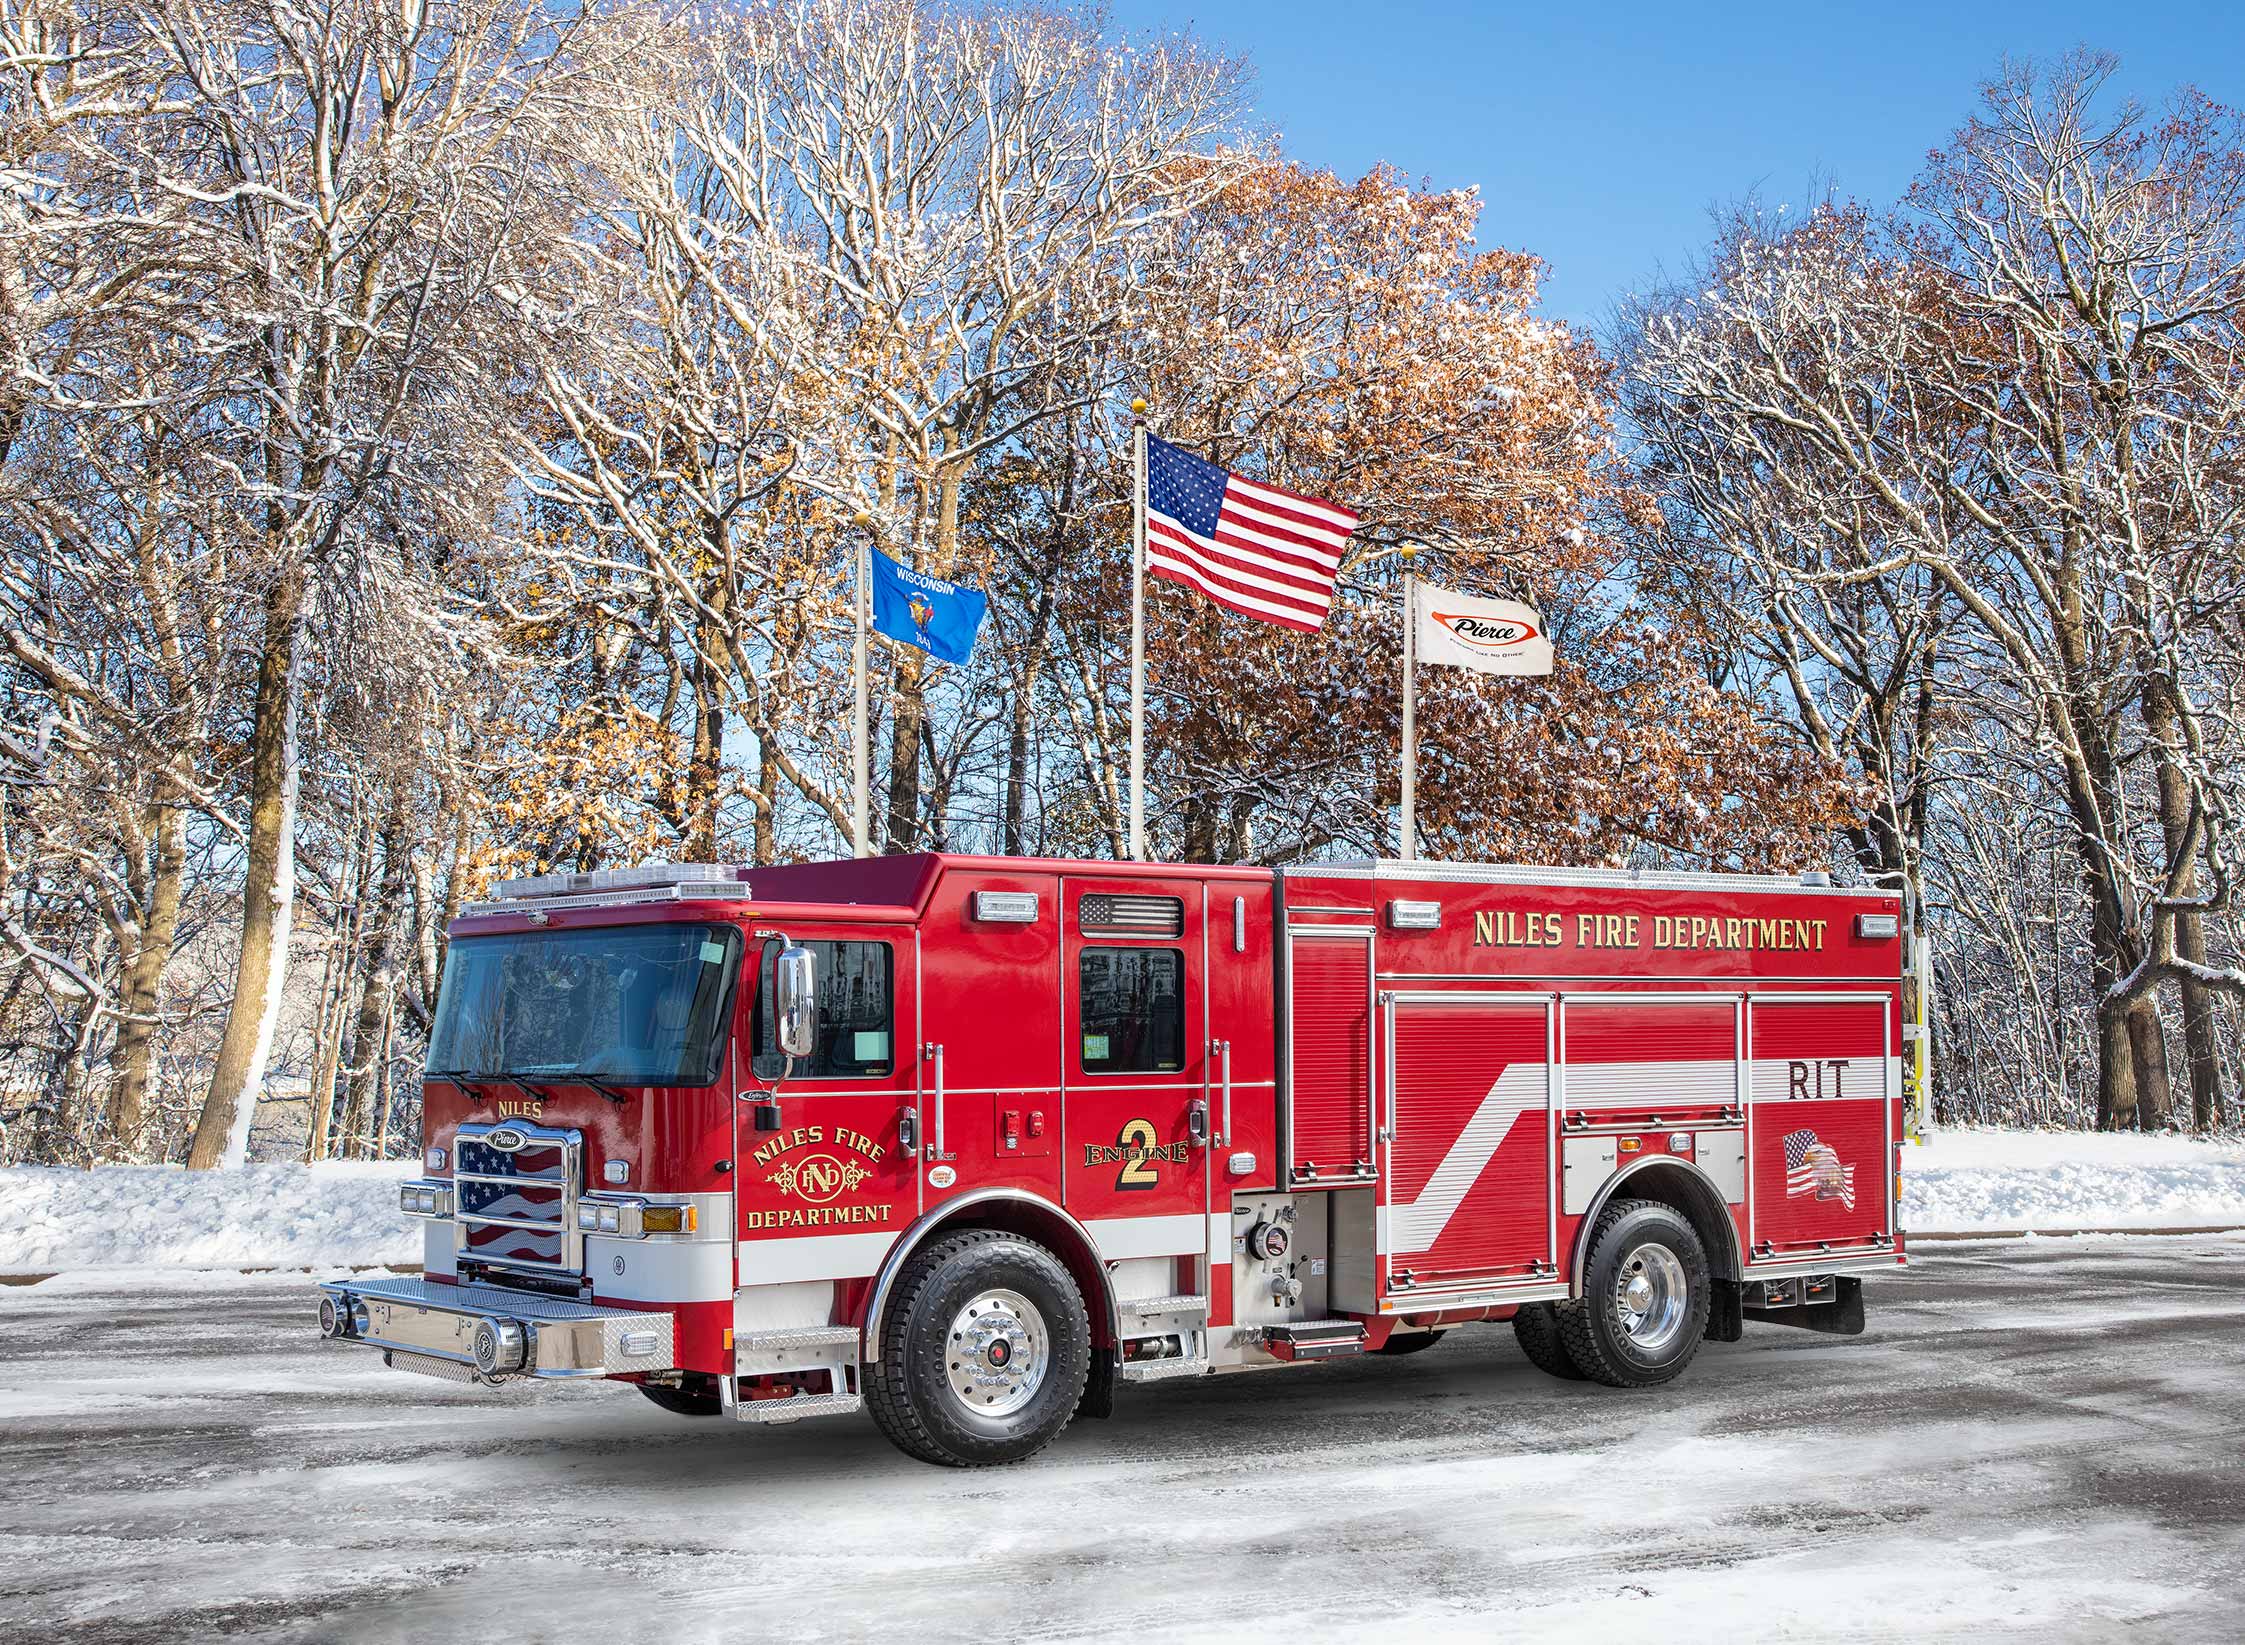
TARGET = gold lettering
x,y
1484,929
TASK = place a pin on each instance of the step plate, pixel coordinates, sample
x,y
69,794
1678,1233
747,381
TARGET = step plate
x,y
1315,1339
796,1409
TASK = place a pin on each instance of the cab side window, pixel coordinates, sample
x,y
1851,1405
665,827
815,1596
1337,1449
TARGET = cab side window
x,y
856,1013
1131,1004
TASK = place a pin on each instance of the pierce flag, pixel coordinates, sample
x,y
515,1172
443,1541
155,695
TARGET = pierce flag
x,y
1493,636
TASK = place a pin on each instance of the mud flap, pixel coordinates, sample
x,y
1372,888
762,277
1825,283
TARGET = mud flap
x,y
1841,1317
1099,1386
1726,1312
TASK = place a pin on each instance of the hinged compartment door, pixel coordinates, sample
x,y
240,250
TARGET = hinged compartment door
x,y
1469,1144
1822,1153
1329,1057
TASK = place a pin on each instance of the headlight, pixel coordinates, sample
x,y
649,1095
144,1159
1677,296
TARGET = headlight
x,y
588,1218
610,1219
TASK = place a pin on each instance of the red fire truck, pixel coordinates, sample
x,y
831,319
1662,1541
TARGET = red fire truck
x,y
972,1140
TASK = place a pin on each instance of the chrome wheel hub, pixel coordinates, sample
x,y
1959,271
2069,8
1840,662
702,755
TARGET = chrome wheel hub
x,y
1651,1297
996,1354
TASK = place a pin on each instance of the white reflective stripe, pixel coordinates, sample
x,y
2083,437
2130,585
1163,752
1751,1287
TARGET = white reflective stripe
x,y
1119,1237
659,1270
821,1256
1219,1239
1785,1079
1650,1084
1416,1226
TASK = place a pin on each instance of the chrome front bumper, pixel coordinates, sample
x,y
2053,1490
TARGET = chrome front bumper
x,y
493,1333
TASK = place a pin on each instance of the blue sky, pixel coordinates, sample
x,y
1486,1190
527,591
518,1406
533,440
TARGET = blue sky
x,y
1599,136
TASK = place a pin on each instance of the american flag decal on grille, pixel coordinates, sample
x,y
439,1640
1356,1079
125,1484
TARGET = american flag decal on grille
x,y
1122,914
1811,1167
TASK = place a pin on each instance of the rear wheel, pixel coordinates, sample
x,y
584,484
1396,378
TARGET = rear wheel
x,y
1537,1329
984,1352
1645,1296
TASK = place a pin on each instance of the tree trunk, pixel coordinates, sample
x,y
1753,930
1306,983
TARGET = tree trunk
x,y
135,1052
268,887
705,772
907,708
378,990
2147,1044
2116,1078
2200,1043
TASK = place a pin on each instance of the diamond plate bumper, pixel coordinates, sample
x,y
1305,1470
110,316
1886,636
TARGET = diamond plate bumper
x,y
559,1339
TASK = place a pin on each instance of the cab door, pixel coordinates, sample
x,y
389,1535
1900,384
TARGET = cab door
x,y
1134,1012
822,1195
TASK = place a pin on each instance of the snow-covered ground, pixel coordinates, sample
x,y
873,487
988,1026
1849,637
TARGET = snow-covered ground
x,y
288,1216
2034,1441
154,1216
1972,1181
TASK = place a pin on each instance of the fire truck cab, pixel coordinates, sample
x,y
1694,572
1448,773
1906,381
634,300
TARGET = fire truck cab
x,y
970,1141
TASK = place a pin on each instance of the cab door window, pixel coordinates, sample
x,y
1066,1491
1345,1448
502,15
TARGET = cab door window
x,y
856,1013
1130,1006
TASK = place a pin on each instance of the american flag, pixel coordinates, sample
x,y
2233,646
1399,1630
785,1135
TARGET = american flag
x,y
1149,916
1811,1167
1256,549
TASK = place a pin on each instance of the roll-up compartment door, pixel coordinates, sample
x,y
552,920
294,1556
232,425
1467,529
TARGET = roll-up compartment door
x,y
1469,1162
1655,1056
1329,1057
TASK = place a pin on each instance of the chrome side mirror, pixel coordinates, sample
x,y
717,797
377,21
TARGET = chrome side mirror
x,y
795,1003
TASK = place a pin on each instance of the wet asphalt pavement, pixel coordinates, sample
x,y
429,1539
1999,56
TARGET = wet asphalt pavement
x,y
2036,1440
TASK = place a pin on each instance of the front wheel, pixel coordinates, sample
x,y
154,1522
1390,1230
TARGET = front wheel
x,y
984,1352
1645,1296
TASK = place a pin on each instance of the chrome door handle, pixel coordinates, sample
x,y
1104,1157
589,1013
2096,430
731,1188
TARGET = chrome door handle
x,y
934,1053
908,1130
1224,1061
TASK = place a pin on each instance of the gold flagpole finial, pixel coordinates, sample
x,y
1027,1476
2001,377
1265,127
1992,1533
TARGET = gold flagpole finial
x,y
1138,408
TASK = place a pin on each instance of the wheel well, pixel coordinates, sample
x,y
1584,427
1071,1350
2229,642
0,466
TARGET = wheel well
x,y
1006,1213
1685,1189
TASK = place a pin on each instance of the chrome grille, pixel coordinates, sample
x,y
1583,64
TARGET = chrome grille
x,y
516,1188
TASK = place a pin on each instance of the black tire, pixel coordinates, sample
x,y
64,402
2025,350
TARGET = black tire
x,y
1410,1342
914,1388
697,1398
1653,1240
1537,1329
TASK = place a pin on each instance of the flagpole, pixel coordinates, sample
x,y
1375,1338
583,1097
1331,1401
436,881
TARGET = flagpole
x,y
1410,705
1138,631
860,781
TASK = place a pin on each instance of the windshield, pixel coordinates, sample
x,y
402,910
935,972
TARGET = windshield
x,y
632,1005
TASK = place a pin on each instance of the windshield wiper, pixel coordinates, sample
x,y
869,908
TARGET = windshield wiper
x,y
615,1096
535,1093
460,1079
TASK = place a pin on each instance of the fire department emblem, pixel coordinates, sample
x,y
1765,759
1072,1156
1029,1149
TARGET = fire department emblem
x,y
819,1178
1813,1167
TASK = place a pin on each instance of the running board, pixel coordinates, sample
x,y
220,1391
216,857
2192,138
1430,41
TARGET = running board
x,y
1315,1339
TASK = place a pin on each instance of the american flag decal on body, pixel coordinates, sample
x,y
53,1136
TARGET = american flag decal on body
x,y
1811,1167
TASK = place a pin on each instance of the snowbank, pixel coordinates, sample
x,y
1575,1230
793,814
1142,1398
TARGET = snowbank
x,y
326,1216
154,1216
1971,1181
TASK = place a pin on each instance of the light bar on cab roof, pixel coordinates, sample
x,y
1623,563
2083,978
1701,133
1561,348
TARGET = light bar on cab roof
x,y
645,877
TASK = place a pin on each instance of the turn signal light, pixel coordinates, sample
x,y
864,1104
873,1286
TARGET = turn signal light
x,y
669,1219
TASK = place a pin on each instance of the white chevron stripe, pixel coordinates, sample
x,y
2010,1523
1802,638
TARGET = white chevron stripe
x,y
1416,1226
